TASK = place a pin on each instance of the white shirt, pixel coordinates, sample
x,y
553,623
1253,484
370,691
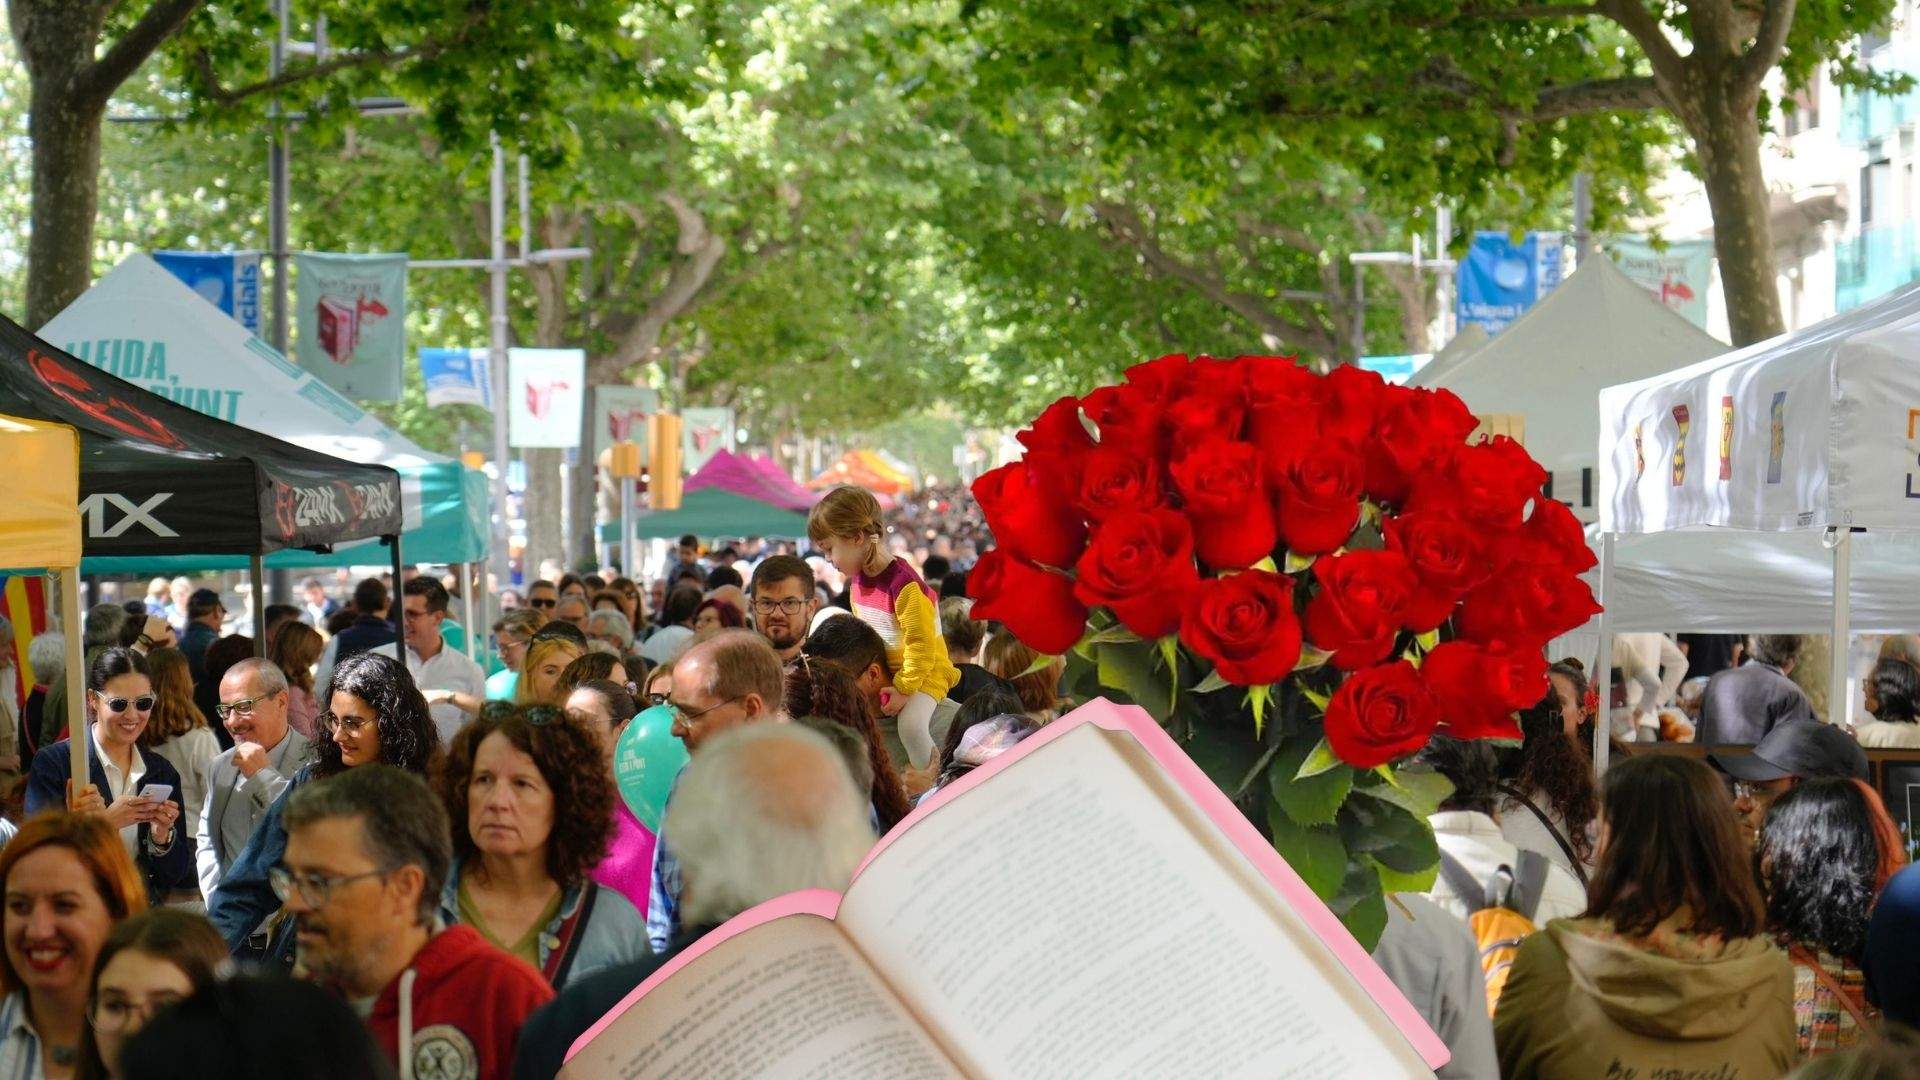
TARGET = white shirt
x,y
450,669
1887,734
118,784
1475,840
21,1056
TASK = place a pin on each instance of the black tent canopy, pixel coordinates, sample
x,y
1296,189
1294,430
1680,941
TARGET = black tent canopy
x,y
157,478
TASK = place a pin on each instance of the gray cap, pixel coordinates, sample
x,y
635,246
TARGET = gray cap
x,y
1802,748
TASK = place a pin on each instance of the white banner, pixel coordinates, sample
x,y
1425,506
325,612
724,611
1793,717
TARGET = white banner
x,y
704,433
620,415
546,394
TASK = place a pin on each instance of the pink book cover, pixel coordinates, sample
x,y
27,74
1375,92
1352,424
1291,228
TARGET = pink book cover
x,y
1134,721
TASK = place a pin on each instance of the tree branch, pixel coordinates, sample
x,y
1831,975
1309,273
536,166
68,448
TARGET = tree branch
x,y
161,21
1633,17
1768,42
203,64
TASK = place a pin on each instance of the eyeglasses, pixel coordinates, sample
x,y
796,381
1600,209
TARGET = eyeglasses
x,y
791,605
537,715
542,603
658,699
331,723
143,703
244,706
116,1017
690,715
314,888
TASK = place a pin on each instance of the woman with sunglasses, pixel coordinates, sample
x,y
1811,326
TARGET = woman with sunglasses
x,y
375,715
531,797
124,776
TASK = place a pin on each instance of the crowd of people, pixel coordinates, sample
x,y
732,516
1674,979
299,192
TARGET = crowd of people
x,y
427,859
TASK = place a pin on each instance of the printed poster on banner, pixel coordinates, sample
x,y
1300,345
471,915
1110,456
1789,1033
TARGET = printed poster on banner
x,y
620,415
546,393
229,280
1679,275
456,377
1499,280
352,317
704,432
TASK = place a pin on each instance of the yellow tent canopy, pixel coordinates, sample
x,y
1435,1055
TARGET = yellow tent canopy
x,y
40,518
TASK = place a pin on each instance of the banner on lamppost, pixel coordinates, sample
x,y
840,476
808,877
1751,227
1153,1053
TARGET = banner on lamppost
x,y
229,280
1678,275
352,316
456,377
1499,280
546,392
620,415
705,432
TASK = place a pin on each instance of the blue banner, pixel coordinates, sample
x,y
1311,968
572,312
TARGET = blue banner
x,y
1499,280
229,280
456,377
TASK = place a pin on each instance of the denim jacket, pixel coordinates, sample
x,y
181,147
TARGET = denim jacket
x,y
244,899
613,932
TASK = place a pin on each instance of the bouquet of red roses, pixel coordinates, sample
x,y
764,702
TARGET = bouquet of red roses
x,y
1304,576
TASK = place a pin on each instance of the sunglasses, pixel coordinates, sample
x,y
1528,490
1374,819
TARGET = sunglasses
x,y
143,703
537,715
545,603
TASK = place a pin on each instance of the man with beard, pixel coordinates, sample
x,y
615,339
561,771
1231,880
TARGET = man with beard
x,y
783,603
367,857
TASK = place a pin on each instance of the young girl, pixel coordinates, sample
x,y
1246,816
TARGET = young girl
x,y
890,597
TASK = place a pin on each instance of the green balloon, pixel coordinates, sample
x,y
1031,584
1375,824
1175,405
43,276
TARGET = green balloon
x,y
645,762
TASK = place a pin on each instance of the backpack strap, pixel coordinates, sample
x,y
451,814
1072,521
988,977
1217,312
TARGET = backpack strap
x,y
1494,892
560,958
1530,883
1805,958
1566,849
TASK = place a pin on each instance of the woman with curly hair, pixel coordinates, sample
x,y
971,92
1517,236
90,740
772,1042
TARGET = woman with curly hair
x,y
1826,850
825,690
531,798
375,715
1549,803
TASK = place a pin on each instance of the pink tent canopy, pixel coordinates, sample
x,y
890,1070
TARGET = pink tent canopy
x,y
778,476
734,473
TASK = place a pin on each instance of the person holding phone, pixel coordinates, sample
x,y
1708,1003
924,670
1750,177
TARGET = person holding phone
x,y
135,789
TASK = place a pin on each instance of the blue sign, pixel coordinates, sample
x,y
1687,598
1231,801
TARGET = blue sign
x,y
1499,280
456,377
1395,369
229,280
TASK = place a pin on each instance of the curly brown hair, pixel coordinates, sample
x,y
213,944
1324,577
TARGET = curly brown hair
x,y
818,688
572,760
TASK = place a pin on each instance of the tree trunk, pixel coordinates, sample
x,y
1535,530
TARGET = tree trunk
x,y
66,190
544,540
1726,138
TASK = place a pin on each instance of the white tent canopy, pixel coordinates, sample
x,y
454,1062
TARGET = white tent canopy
x,y
1596,329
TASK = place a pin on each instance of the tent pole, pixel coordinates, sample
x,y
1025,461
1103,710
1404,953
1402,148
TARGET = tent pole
x,y
1603,666
79,742
466,589
626,528
255,575
1839,701
399,605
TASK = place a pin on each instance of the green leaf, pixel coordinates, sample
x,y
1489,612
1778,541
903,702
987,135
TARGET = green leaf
x,y
1214,681
1314,852
1311,658
1257,698
1040,663
1310,798
1394,881
1418,791
1297,563
1319,760
1224,749
1131,669
1267,565
1388,832
1428,640
1360,903
1170,653
1319,699
1112,635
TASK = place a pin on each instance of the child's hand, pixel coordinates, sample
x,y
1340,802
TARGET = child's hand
x,y
892,701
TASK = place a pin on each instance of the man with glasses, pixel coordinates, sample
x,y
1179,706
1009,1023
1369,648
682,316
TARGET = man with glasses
x,y
245,780
448,678
783,603
368,852
731,679
543,595
1793,751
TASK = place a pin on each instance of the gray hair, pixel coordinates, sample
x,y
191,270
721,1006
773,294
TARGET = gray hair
x,y
607,620
1776,649
47,656
764,810
272,679
402,823
104,625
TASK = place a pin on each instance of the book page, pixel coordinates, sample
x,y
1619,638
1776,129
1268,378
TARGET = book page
x,y
790,998
1078,916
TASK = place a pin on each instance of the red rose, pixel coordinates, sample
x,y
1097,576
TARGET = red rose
x,y
1140,565
1317,493
1202,416
1420,430
1055,443
1113,479
1552,537
1162,377
1448,558
1221,486
1354,399
1478,689
1245,624
1127,416
1361,606
1284,401
1037,606
1525,605
1489,483
1026,518
1380,714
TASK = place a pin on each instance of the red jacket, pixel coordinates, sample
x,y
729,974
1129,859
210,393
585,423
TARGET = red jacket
x,y
459,1006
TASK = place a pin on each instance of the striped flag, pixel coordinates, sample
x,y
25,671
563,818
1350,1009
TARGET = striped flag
x,y
23,600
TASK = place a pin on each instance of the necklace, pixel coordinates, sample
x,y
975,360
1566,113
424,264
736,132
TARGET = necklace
x,y
63,1055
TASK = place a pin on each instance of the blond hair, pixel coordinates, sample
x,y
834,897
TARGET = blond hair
x,y
846,512
537,654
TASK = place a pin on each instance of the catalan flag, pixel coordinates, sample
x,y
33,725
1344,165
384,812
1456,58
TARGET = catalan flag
x,y
23,600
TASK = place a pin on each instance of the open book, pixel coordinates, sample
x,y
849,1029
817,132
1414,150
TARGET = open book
x,y
1087,904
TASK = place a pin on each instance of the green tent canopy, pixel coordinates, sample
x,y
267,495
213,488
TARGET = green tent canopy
x,y
712,512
